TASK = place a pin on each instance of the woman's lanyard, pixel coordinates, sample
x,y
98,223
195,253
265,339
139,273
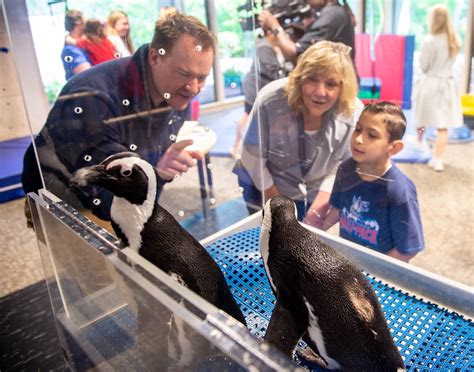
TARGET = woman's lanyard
x,y
303,162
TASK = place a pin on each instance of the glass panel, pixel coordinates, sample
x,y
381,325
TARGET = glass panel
x,y
48,29
235,45
115,310
197,8
124,108
298,136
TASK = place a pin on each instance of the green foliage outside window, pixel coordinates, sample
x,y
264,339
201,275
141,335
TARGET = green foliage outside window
x,y
142,16
230,34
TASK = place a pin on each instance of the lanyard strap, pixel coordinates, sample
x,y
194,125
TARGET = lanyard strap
x,y
302,155
302,148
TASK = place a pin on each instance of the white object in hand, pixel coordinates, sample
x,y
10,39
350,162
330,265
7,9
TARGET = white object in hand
x,y
203,138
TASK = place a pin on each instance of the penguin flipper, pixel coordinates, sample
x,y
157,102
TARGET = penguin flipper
x,y
309,355
285,329
119,233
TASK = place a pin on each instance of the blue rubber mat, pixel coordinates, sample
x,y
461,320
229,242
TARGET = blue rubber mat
x,y
11,153
428,337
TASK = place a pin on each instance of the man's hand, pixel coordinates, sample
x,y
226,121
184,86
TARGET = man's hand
x,y
176,160
267,20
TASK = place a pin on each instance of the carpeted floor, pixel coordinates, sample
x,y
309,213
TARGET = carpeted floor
x,y
27,328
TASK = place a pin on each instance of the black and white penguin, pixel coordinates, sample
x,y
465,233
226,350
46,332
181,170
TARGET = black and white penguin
x,y
321,297
147,228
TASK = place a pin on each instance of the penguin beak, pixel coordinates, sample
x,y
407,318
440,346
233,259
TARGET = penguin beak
x,y
93,175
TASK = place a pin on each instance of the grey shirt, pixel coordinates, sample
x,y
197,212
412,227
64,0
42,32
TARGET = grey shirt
x,y
279,152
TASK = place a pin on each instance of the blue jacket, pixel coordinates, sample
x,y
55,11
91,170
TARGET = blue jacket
x,y
99,112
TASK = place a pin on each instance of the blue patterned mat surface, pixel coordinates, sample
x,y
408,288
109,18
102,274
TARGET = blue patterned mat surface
x,y
428,336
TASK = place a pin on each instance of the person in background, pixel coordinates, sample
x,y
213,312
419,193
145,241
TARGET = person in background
x,y
437,101
268,65
97,46
272,65
118,32
129,104
74,58
375,204
333,23
299,131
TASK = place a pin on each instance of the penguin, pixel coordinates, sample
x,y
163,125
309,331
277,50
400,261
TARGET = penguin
x,y
322,298
151,231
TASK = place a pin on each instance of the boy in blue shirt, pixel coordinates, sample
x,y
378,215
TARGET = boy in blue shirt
x,y
375,203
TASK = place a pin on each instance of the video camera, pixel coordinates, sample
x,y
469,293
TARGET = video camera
x,y
288,12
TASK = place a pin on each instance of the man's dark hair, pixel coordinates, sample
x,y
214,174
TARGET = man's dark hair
x,y
73,18
393,116
170,28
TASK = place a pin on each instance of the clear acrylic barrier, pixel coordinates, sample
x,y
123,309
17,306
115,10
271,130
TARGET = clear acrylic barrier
x,y
115,310
90,285
91,119
139,319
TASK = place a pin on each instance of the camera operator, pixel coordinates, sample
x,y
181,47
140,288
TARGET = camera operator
x,y
335,22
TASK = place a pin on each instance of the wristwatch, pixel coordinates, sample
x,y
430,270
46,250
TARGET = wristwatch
x,y
277,30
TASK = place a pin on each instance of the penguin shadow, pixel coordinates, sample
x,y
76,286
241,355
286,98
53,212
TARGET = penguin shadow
x,y
165,342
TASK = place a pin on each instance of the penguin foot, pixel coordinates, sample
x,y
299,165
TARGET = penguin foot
x,y
310,356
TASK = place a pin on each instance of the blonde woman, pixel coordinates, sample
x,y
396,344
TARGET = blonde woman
x,y
299,132
437,102
118,32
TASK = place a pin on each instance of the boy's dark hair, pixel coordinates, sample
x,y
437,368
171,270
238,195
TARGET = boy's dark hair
x,y
94,27
73,18
170,28
393,116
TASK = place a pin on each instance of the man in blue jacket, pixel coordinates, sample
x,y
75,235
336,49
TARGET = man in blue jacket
x,y
134,104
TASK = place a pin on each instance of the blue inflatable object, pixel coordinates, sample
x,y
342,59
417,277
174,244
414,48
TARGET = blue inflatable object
x,y
11,153
456,135
414,151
